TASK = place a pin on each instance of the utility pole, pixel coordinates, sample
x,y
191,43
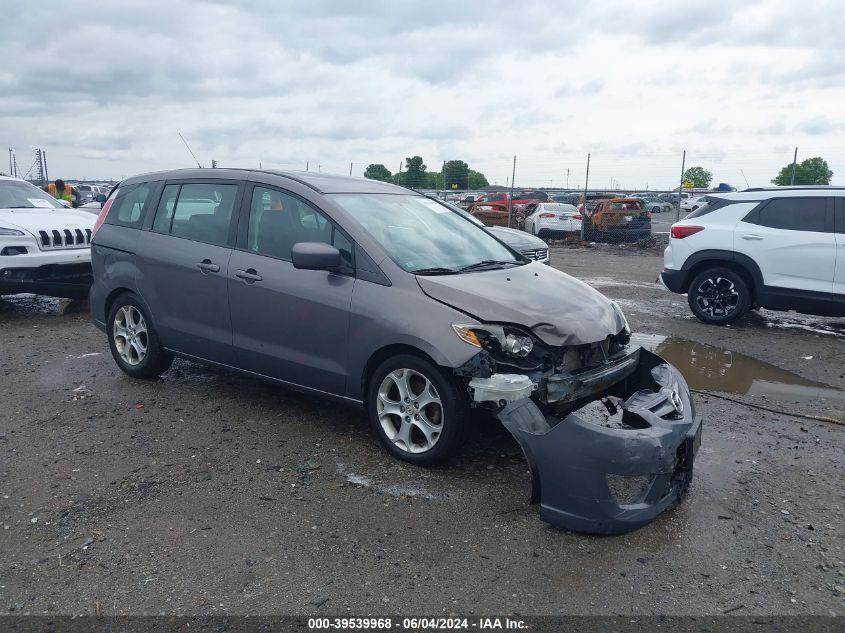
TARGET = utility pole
x,y
11,163
794,160
350,169
567,177
444,180
681,188
399,174
319,167
510,197
584,212
306,165
44,162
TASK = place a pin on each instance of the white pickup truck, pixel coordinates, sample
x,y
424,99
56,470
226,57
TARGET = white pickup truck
x,y
45,248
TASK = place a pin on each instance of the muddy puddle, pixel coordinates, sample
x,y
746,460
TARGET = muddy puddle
x,y
710,368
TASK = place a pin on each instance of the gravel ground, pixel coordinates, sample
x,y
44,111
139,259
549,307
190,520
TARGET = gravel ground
x,y
209,493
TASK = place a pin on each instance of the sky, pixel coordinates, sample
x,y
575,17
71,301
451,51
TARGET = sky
x,y
105,88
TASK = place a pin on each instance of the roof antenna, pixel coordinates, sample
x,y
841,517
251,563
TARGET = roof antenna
x,y
744,178
189,148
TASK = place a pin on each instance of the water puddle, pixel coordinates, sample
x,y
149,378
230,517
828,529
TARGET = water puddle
x,y
710,368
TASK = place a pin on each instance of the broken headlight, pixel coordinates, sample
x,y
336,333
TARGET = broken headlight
x,y
496,338
626,328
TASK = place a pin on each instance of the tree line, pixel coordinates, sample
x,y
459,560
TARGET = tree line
x,y
812,171
455,174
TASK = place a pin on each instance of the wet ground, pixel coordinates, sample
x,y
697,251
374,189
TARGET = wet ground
x,y
207,493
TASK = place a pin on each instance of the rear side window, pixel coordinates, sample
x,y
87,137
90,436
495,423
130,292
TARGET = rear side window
x,y
792,214
197,211
128,207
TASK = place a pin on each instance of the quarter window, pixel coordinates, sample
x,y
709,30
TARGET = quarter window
x,y
792,214
279,220
128,209
197,211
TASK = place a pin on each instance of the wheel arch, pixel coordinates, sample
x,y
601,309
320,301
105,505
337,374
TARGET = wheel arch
x,y
742,264
381,355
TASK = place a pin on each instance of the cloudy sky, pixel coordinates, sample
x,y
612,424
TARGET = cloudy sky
x,y
104,88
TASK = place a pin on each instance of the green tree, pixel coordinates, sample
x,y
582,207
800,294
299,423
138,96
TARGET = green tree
x,y
377,171
414,174
476,180
812,171
457,174
700,177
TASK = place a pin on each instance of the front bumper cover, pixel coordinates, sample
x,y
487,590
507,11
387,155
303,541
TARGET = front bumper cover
x,y
611,478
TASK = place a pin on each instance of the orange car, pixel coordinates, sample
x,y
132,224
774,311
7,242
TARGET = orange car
x,y
618,219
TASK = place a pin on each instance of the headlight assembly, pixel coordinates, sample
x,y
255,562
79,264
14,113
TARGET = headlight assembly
x,y
626,329
495,338
15,232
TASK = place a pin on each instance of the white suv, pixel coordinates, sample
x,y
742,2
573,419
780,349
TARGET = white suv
x,y
45,248
779,248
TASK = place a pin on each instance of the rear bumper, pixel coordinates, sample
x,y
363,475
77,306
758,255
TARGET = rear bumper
x,y
608,476
675,280
56,280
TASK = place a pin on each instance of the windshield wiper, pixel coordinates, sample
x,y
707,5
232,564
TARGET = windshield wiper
x,y
435,271
488,263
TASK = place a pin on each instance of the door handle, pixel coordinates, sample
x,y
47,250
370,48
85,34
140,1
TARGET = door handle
x,y
751,236
207,267
249,275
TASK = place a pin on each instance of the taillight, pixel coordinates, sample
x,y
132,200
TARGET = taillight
x,y
102,217
577,216
680,231
547,215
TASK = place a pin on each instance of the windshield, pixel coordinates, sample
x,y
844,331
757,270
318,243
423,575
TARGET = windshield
x,y
423,235
19,194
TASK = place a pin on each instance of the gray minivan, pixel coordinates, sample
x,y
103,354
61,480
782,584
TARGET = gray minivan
x,y
377,296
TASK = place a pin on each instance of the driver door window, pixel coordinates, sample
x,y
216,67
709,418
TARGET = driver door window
x,y
278,220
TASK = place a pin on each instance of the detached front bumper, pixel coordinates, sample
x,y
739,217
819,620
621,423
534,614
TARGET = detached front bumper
x,y
612,474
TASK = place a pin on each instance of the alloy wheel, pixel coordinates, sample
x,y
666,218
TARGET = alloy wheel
x,y
410,411
130,334
717,297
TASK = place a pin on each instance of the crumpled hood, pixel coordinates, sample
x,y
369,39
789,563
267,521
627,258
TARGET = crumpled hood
x,y
558,308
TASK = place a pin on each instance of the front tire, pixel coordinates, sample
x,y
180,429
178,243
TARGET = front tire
x,y
416,411
133,341
719,296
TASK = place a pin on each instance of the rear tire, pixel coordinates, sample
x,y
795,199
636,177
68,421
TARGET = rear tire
x,y
719,296
133,341
416,410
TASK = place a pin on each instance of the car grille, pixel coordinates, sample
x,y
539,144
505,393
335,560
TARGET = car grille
x,y
537,254
65,238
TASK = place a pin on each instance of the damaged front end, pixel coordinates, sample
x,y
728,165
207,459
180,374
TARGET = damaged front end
x,y
598,469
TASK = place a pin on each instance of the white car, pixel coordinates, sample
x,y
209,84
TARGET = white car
x,y
553,218
777,248
45,248
691,204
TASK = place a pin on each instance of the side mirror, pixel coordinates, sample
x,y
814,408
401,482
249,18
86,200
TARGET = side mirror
x,y
315,256
101,198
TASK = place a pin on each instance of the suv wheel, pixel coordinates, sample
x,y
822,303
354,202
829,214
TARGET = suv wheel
x,y
133,341
719,296
418,414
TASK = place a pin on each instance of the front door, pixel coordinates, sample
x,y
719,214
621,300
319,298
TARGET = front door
x,y
287,323
184,260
